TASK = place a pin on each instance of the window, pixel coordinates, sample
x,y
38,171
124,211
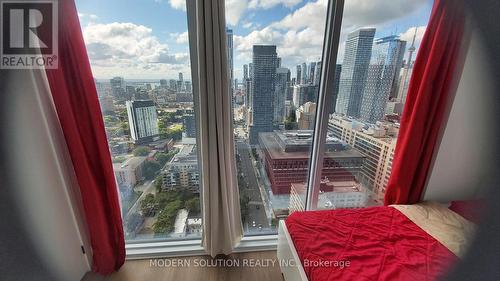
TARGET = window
x,y
303,140
140,60
275,66
373,69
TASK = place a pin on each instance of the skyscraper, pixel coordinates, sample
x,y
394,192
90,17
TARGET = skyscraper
x,y
118,89
299,74
229,33
280,94
381,81
117,82
142,120
189,125
408,68
249,89
336,83
304,77
245,72
263,85
304,93
181,77
317,73
248,93
358,50
172,84
312,70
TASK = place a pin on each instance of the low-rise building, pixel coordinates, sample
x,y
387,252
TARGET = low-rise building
x,y
286,159
129,172
180,223
306,114
182,173
376,143
332,195
193,226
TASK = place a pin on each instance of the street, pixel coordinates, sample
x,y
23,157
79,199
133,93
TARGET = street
x,y
146,188
257,211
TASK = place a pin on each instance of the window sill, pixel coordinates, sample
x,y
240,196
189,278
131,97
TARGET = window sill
x,y
168,249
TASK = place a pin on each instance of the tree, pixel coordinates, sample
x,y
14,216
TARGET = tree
x,y
193,205
150,169
148,205
163,158
174,132
165,198
119,159
124,127
110,120
158,183
166,218
141,151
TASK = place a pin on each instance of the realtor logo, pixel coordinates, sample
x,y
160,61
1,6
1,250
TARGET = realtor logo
x,y
28,34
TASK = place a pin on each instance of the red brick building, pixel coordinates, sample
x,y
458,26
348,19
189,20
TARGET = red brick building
x,y
286,159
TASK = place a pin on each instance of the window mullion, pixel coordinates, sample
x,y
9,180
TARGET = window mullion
x,y
326,86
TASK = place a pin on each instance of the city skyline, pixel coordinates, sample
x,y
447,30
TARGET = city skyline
x,y
150,119
156,49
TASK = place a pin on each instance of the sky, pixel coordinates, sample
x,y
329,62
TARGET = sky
x,y
147,39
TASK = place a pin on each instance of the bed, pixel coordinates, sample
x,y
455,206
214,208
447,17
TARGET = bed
x,y
398,242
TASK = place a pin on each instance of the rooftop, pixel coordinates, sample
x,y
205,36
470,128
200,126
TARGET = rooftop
x,y
180,221
297,144
130,163
338,186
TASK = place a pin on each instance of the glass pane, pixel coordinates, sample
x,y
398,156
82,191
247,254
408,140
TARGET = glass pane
x,y
275,54
140,60
373,69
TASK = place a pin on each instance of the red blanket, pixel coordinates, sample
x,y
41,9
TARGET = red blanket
x,y
377,243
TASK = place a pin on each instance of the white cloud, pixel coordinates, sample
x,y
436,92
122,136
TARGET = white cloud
x,y
247,24
376,12
90,17
182,38
178,4
312,14
408,36
299,35
235,10
130,49
267,4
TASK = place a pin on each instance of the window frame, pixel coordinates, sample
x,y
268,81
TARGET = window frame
x,y
156,248
331,43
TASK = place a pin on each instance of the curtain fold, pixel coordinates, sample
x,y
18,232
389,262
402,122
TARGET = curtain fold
x,y
432,86
75,99
222,228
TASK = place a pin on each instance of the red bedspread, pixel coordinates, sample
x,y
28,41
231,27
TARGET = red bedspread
x,y
377,243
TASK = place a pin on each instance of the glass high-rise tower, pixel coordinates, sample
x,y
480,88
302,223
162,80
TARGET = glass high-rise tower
x,y
229,33
358,50
383,73
263,89
281,86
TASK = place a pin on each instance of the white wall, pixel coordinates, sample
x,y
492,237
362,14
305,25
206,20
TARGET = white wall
x,y
42,177
463,157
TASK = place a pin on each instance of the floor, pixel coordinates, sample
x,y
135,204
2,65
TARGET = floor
x,y
260,266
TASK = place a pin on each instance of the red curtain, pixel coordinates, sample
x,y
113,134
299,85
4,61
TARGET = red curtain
x,y
431,87
75,98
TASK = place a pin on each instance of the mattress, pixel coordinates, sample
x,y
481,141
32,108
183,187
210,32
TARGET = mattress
x,y
379,243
